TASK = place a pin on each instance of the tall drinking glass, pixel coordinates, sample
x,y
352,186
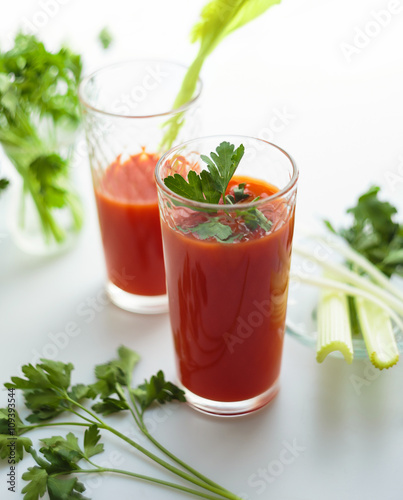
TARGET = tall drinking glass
x,y
125,107
227,275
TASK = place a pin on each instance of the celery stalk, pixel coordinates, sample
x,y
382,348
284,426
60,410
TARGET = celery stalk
x,y
376,328
334,330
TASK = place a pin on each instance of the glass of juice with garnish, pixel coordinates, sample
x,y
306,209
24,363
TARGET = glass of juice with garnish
x,y
127,110
227,208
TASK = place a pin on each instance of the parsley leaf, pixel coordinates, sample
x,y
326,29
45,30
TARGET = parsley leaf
x,y
118,371
17,443
239,194
374,233
210,186
37,483
65,489
157,389
211,229
222,165
5,415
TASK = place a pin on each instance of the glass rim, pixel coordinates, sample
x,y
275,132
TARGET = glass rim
x,y
291,184
83,83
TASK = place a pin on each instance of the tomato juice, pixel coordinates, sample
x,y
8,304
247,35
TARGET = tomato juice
x,y
228,300
126,198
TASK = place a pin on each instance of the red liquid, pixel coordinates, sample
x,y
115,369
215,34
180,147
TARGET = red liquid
x,y
128,215
228,304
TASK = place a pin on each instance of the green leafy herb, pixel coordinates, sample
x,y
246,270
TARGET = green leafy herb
x,y
239,194
48,393
374,233
211,229
38,110
210,186
218,19
157,389
105,37
17,443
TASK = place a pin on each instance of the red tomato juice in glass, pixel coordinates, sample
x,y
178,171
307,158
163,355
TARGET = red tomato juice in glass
x,y
228,301
126,198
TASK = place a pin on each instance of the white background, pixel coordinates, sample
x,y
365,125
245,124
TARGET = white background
x,y
344,127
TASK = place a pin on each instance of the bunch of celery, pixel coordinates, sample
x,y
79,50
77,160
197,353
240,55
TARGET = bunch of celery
x,y
359,297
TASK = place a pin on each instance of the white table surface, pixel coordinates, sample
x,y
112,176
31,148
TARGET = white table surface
x,y
344,127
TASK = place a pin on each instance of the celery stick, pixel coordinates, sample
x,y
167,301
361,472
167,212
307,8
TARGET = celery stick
x,y
356,258
334,330
376,328
345,275
348,290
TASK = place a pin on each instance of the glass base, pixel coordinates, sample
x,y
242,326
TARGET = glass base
x,y
233,409
143,304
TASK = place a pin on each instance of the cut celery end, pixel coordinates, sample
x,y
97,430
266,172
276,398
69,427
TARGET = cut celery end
x,y
334,330
377,330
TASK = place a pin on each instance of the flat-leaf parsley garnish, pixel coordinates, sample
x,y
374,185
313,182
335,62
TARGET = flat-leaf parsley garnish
x,y
210,186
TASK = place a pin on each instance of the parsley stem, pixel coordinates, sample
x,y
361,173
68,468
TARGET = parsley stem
x,y
76,403
142,426
55,424
147,478
205,484
122,396
180,462
166,465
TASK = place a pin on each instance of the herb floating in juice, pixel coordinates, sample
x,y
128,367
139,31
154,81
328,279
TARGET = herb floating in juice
x,y
60,460
39,115
211,186
218,19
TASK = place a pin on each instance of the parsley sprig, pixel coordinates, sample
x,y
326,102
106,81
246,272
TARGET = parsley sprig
x,y
48,393
374,233
39,105
210,186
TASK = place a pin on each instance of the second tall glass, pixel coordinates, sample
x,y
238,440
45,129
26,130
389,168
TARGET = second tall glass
x,y
126,108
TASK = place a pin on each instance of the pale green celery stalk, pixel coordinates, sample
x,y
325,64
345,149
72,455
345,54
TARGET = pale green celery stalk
x,y
333,322
348,290
377,330
352,256
219,18
351,277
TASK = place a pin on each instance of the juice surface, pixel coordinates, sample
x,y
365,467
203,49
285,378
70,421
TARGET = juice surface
x,y
228,303
128,214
